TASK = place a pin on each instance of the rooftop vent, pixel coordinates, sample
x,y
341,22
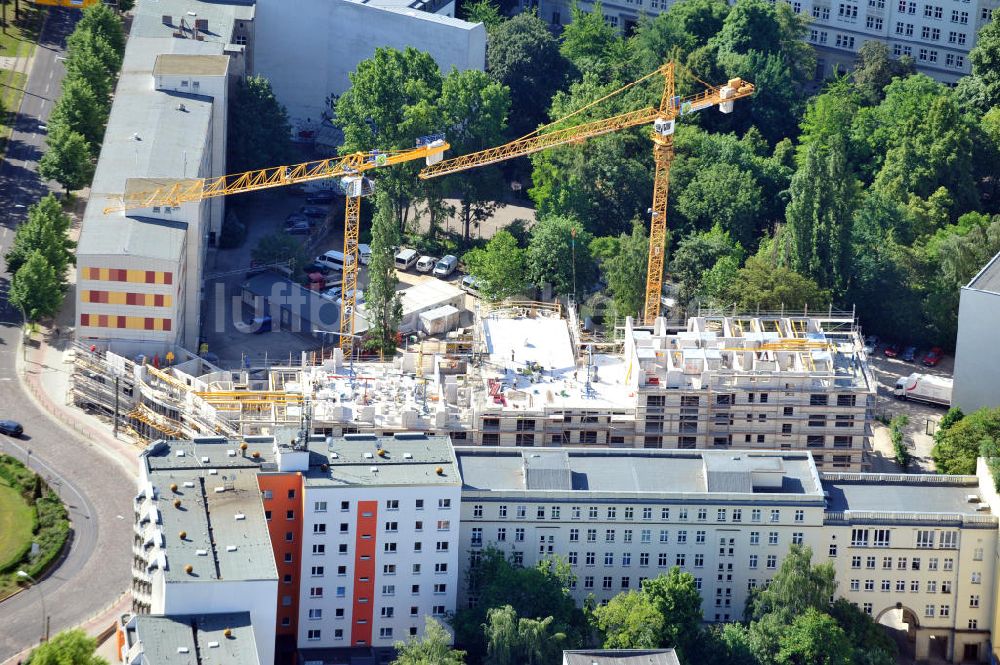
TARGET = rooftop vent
x,y
230,548
374,469
982,508
188,483
972,498
213,645
369,456
240,516
179,453
220,489
204,460
201,552
407,455
231,452
213,472
182,650
334,456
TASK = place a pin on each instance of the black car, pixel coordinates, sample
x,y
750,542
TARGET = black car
x,y
324,197
313,211
11,428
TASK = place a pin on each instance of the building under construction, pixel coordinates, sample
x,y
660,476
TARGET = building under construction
x,y
524,375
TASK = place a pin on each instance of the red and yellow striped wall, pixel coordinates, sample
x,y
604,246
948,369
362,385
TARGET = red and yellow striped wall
x,y
122,275
125,322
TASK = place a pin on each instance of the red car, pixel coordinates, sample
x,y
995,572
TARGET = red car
x,y
933,356
891,350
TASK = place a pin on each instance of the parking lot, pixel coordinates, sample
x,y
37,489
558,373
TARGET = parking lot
x,y
923,417
226,271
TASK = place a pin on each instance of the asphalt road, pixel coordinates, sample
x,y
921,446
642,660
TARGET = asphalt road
x,y
96,490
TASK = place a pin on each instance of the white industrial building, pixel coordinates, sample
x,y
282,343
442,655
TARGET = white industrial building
x,y
977,361
307,48
139,272
937,37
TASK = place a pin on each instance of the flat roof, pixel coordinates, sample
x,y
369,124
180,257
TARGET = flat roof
x,y
988,279
148,134
196,639
621,657
210,65
637,471
145,237
217,504
913,493
406,459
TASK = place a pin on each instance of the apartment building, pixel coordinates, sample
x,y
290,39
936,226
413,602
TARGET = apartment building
x,y
977,362
922,547
937,35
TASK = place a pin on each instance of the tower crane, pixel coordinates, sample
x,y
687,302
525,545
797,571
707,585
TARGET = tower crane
x,y
662,119
350,168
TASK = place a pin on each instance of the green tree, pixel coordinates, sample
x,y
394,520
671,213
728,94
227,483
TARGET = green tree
x,y
90,58
279,248
957,447
814,638
687,25
70,647
726,195
824,195
829,115
675,596
797,586
45,230
625,271
629,621
483,11
534,592
383,305
697,254
392,101
434,648
875,68
474,109
259,132
870,642
499,267
126,5
35,288
896,426
514,640
102,20
763,285
588,39
981,89
67,160
524,56
953,415
79,110
555,241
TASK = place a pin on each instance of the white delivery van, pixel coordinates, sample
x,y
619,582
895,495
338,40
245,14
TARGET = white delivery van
x,y
406,258
446,266
333,260
924,388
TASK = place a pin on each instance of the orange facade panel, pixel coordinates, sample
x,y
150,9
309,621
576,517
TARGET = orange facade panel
x,y
127,298
283,507
364,573
93,320
123,275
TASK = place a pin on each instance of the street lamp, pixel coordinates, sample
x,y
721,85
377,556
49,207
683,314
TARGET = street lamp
x,y
41,598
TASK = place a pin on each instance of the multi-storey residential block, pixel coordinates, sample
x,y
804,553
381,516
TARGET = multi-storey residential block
x,y
977,361
937,35
923,547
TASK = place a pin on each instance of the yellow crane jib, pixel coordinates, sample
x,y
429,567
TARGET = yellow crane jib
x,y
663,118
431,149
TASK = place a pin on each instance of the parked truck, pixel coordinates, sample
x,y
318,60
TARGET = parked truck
x,y
924,388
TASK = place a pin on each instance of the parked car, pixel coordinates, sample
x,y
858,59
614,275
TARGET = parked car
x,y
315,266
891,350
359,298
909,354
299,229
314,211
426,263
332,259
323,197
445,266
405,259
11,428
871,344
364,254
333,293
470,285
933,356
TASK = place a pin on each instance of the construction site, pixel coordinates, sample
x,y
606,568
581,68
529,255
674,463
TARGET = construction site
x,y
525,374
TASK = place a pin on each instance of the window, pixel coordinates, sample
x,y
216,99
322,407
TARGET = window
x,y
720,515
855,562
629,512
932,586
944,611
820,399
392,527
625,583
977,578
859,537
319,548
645,536
555,512
800,516
627,559
477,537
315,614
956,37
388,589
344,527
915,563
832,551
540,513
574,535
502,512
387,569
702,514
588,582
682,537
949,541
948,564
855,585
775,516
501,534
609,535
317,571
317,528
345,506
314,634
592,513
316,592
389,548
887,563
886,585
869,585
442,546
609,558
881,538
438,610
440,589
753,561
928,610
772,538
319,507
680,560
772,561
392,504
797,538
699,537
901,585
755,515
590,559
737,514
925,539
519,535
606,583
571,558
973,624
444,504
477,510
627,536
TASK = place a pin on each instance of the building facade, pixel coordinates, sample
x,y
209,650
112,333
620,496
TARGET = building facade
x,y
977,362
937,36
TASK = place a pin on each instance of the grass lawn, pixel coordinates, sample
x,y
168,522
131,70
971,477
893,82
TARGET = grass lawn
x,y
17,40
15,523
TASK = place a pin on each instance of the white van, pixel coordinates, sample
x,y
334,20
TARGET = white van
x,y
446,266
364,254
406,258
426,263
333,260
